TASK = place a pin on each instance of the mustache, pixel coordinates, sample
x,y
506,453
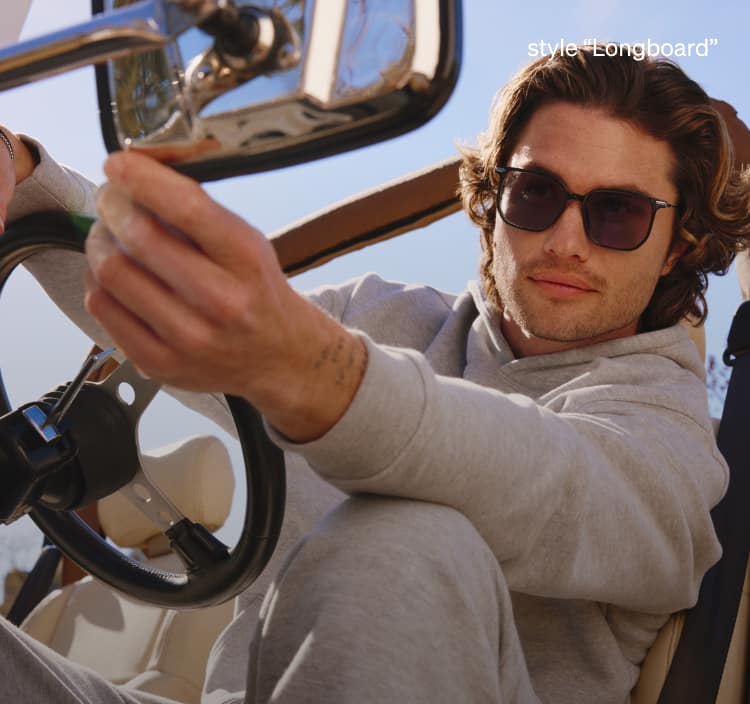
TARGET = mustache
x,y
539,267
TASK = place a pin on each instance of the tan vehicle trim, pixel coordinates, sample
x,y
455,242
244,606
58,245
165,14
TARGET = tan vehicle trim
x,y
397,207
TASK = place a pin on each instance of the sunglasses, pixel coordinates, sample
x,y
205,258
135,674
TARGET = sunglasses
x,y
612,218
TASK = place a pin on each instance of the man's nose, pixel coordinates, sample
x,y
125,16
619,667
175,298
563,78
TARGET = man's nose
x,y
567,236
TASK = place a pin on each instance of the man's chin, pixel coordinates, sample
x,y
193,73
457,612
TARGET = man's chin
x,y
579,335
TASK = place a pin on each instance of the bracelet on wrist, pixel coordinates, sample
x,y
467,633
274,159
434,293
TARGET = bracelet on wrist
x,y
6,140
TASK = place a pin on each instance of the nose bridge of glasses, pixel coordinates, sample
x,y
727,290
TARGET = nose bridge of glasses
x,y
581,199
566,204
569,239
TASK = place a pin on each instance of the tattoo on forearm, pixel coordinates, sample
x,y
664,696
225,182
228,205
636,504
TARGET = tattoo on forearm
x,y
323,358
343,355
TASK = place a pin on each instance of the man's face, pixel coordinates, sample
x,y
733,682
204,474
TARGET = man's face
x,y
558,289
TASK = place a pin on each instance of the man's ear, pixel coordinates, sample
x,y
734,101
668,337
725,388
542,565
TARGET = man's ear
x,y
677,250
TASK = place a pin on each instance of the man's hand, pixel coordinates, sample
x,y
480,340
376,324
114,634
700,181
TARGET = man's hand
x,y
12,171
195,298
738,131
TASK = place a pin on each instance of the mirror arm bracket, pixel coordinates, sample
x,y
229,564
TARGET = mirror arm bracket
x,y
142,26
249,41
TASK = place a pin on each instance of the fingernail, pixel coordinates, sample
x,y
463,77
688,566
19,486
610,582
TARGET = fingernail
x,y
113,165
98,247
114,207
95,255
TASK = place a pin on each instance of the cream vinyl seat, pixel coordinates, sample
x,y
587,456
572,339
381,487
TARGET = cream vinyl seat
x,y
157,650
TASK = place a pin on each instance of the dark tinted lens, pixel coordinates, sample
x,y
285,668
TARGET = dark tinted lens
x,y
618,220
530,201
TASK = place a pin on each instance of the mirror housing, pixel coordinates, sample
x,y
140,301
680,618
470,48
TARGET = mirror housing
x,y
343,74
219,88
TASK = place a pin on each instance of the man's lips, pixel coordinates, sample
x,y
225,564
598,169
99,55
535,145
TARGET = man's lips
x,y
562,284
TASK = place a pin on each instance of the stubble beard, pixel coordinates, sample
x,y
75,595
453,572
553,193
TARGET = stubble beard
x,y
565,320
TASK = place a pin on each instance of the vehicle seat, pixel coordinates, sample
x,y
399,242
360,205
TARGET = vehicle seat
x,y
656,665
157,650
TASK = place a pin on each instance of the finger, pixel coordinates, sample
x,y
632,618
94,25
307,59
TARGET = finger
x,y
176,154
147,351
134,339
178,325
182,203
194,278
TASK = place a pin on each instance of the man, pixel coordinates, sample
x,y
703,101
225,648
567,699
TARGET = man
x,y
531,463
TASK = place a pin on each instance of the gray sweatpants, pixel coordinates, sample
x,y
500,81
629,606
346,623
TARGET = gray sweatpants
x,y
387,600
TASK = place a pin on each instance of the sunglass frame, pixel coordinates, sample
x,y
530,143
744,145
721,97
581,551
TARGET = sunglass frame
x,y
655,203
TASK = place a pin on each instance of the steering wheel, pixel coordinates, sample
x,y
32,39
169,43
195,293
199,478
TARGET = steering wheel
x,y
78,444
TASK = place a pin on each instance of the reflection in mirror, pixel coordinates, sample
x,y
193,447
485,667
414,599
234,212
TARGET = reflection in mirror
x,y
147,97
322,77
376,46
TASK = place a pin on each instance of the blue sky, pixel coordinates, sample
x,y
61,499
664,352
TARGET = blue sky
x,y
62,113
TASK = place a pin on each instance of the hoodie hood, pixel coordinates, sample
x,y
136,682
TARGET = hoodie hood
x,y
660,353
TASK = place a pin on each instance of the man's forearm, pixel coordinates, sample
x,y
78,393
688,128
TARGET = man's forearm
x,y
321,386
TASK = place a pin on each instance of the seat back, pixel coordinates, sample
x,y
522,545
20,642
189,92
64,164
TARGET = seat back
x,y
157,650
656,666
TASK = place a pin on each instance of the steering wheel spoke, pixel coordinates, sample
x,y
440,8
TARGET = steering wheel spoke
x,y
133,390
142,493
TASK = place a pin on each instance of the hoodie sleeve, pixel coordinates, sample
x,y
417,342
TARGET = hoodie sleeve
x,y
606,501
51,187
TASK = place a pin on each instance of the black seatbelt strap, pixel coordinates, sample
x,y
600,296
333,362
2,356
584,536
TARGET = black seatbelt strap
x,y
38,583
695,674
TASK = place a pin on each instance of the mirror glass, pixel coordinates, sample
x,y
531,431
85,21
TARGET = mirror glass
x,y
340,74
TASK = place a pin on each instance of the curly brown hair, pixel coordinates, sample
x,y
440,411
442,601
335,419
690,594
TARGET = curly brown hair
x,y
656,96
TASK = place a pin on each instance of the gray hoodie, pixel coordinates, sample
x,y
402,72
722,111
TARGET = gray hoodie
x,y
590,473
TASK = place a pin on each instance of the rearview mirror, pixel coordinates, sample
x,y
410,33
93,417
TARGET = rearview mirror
x,y
220,88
